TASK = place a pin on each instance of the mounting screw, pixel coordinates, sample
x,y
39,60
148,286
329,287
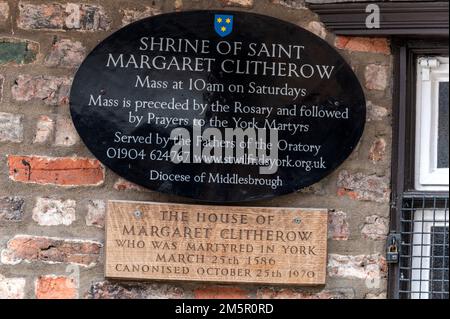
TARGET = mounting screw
x,y
138,214
297,220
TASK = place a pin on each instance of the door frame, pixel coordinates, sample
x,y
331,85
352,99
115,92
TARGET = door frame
x,y
406,51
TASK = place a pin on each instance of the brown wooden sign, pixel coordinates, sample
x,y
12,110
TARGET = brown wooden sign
x,y
158,241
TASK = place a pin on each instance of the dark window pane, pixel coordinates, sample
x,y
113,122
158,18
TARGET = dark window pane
x,y
439,263
443,126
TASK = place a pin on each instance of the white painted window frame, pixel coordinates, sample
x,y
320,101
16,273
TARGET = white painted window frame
x,y
421,251
430,72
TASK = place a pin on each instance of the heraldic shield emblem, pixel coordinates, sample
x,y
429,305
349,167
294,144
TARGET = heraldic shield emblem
x,y
223,24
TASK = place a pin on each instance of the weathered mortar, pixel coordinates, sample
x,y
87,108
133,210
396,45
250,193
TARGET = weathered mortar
x,y
356,246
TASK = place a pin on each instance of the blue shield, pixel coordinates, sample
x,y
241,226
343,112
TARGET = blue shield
x,y
223,24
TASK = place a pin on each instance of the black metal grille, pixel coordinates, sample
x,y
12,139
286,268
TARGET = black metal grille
x,y
424,247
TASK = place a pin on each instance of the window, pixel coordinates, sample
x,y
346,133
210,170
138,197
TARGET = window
x,y
429,277
428,245
432,135
420,170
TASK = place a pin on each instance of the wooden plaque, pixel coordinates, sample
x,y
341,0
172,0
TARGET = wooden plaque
x,y
155,241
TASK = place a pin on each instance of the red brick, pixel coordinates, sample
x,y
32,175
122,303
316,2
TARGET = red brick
x,y
11,208
4,13
133,290
375,228
65,54
54,287
123,185
60,171
376,112
51,90
376,77
368,267
220,293
54,212
96,213
271,293
317,28
132,15
238,3
12,288
361,44
178,5
11,127
345,192
380,295
2,80
66,134
50,250
44,129
67,16
359,186
377,151
338,228
292,4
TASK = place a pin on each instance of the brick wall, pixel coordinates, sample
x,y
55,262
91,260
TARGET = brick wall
x,y
53,192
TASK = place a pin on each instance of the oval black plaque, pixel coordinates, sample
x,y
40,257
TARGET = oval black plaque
x,y
202,70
